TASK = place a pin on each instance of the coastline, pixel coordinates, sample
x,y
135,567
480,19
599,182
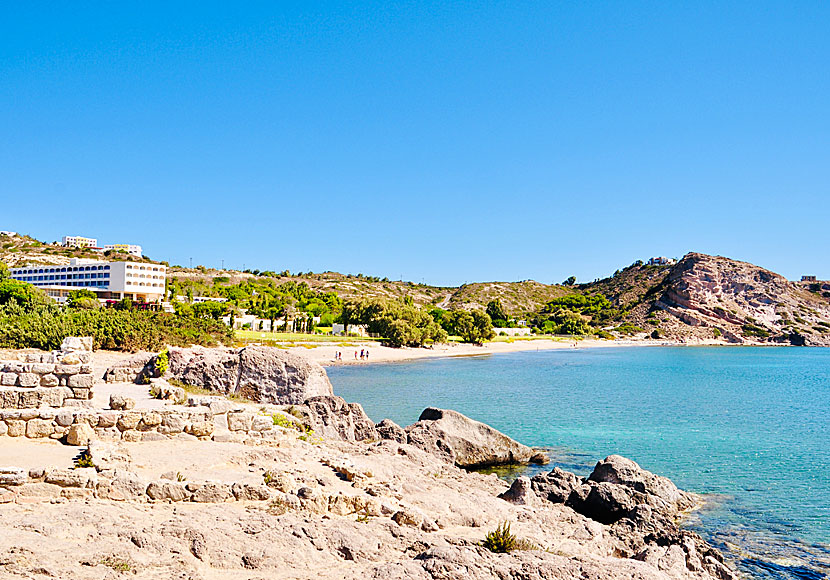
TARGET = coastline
x,y
325,354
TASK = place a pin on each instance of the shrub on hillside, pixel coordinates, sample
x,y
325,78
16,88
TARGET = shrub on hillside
x,y
45,326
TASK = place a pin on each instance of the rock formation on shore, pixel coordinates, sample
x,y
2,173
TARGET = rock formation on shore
x,y
705,297
466,442
312,488
639,508
258,373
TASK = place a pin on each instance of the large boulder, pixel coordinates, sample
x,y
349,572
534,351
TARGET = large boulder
x,y
215,369
622,471
640,509
258,373
135,369
463,441
333,418
271,375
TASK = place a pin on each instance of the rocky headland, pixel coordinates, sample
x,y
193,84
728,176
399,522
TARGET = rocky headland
x,y
266,474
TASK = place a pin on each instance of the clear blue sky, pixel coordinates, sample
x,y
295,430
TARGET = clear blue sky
x,y
443,141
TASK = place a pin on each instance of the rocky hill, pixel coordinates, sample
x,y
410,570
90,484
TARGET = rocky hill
x,y
706,297
700,298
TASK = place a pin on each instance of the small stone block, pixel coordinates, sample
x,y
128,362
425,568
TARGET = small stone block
x,y
28,380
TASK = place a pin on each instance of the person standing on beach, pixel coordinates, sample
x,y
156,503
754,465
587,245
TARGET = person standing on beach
x,y
367,354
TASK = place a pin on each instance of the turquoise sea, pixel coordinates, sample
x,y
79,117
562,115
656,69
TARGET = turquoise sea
x,y
747,427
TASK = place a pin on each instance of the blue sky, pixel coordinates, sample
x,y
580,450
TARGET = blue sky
x,y
445,141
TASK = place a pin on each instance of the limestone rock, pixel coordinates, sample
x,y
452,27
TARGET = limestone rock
x,y
12,476
37,428
77,344
334,418
464,441
271,375
521,493
121,402
200,428
166,490
623,471
388,429
261,374
133,370
80,434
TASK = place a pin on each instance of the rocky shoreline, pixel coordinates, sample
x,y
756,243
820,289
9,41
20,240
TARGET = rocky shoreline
x,y
318,490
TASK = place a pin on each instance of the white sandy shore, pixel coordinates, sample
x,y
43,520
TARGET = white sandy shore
x,y
324,354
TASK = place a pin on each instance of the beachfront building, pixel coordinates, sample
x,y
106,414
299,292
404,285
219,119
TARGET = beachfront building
x,y
79,242
111,281
199,299
518,331
351,330
133,249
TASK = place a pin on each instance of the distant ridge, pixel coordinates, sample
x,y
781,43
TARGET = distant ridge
x,y
700,298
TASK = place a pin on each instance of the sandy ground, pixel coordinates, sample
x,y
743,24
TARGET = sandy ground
x,y
325,354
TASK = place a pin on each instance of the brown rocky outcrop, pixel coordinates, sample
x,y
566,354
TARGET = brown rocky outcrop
x,y
465,442
333,418
745,303
641,510
260,374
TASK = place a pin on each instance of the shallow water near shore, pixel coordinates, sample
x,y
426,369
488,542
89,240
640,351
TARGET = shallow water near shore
x,y
747,427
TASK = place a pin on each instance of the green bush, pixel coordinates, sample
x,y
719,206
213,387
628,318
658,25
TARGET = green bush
x,y
162,363
755,331
45,326
500,540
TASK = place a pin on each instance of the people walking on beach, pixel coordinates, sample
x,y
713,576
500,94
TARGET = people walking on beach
x,y
361,354
367,354
355,355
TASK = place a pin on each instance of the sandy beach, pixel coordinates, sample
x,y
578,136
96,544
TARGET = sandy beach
x,y
324,354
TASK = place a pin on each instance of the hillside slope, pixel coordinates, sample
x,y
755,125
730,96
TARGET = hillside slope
x,y
706,297
745,302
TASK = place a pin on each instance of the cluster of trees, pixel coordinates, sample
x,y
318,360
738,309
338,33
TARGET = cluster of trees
x,y
400,322
263,298
30,319
474,326
576,314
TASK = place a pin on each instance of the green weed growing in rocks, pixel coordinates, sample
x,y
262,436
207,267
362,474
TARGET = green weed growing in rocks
x,y
116,563
500,540
84,460
162,363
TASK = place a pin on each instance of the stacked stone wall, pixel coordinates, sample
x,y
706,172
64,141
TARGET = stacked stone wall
x,y
61,378
78,426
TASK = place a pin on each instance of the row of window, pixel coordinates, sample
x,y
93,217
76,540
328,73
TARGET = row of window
x,y
84,284
18,271
144,276
62,277
153,268
144,284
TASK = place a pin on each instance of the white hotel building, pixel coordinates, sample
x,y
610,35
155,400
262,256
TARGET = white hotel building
x,y
141,282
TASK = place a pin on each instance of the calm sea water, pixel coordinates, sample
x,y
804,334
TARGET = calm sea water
x,y
748,427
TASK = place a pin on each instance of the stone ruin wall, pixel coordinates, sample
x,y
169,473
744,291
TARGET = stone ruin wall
x,y
61,378
200,420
